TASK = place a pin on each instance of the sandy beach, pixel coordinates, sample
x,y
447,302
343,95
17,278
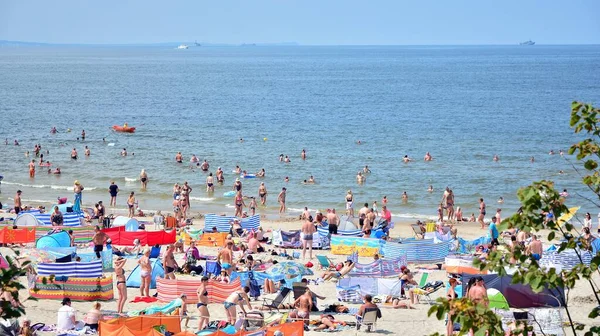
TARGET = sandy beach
x,y
394,321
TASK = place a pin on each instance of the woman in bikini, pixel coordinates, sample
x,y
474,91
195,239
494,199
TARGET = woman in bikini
x,y
121,283
202,304
236,298
131,204
481,213
145,273
239,204
262,193
451,295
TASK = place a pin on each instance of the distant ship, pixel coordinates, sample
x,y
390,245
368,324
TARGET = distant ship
x,y
197,44
182,46
530,42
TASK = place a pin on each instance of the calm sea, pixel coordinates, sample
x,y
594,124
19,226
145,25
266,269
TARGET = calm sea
x,y
462,104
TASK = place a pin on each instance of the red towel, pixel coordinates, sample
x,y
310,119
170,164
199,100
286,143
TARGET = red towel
x,y
144,299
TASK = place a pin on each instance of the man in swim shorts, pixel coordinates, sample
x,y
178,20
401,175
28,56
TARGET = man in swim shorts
x,y
333,220
225,257
18,204
99,240
308,228
535,248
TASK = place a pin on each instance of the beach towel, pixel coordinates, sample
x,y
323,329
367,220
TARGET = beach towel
x,y
144,299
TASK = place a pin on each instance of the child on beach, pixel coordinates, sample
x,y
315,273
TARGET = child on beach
x,y
375,209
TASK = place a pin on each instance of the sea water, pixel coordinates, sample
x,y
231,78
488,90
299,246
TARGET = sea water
x,y
462,104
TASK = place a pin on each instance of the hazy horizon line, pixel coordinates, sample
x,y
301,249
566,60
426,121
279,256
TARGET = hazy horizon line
x,y
291,44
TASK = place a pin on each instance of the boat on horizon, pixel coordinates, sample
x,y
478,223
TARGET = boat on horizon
x,y
529,42
182,46
197,44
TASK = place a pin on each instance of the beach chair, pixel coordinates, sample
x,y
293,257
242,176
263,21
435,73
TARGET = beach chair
x,y
428,289
275,303
368,319
324,262
423,281
299,289
419,234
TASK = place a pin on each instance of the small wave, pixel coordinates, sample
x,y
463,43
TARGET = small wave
x,y
39,186
33,200
202,199
128,179
301,210
414,215
229,205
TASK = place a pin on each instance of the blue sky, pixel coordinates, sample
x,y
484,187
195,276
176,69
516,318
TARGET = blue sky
x,y
303,21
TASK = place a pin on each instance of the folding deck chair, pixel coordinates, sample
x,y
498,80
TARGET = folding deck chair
x,y
369,319
419,234
275,303
299,289
324,262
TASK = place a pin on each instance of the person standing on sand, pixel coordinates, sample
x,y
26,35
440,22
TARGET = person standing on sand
x,y
144,179
281,200
369,220
308,228
262,193
169,262
225,257
481,213
202,304
18,204
450,205
32,169
78,190
121,283
99,239
333,220
362,214
113,190
131,204
145,273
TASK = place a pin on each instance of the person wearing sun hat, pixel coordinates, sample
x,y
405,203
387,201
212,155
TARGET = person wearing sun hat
x,y
77,189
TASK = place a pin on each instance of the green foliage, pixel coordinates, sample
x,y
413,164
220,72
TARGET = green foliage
x,y
584,119
9,280
537,200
